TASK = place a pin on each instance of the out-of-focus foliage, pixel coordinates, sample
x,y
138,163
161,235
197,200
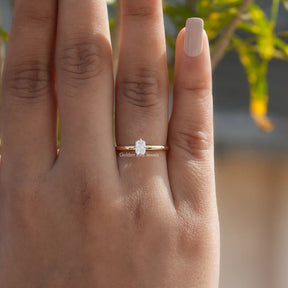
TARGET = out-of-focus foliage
x,y
254,39
3,35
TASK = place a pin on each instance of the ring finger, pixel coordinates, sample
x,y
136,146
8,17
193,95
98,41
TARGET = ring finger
x,y
142,90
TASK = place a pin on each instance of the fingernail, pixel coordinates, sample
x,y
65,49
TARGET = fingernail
x,y
194,37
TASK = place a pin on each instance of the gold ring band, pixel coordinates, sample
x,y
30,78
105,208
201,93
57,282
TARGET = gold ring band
x,y
141,148
148,148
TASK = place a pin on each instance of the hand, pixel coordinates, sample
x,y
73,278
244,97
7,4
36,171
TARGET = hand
x,y
89,217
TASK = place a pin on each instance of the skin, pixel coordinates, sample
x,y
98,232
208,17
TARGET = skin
x,y
88,217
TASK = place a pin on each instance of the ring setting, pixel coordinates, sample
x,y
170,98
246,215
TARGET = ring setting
x,y
140,148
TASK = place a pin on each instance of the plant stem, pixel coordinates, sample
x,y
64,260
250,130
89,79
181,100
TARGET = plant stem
x,y
224,41
274,11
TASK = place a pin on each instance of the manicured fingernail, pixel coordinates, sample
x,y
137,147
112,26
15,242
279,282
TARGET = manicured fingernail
x,y
194,37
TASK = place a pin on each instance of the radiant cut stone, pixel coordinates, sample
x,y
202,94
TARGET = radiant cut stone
x,y
140,147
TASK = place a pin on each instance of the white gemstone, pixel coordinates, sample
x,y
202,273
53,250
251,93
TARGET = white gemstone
x,y
140,147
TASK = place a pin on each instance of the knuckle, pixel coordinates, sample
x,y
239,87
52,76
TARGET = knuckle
x,y
199,89
199,83
193,141
23,205
38,19
29,14
143,207
146,11
18,188
28,83
83,59
84,185
140,88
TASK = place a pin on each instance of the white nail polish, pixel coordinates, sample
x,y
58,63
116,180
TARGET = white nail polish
x,y
194,37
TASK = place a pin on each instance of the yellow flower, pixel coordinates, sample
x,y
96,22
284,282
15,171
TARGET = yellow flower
x,y
258,107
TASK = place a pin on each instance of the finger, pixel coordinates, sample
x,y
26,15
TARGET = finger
x,y
85,85
142,86
190,162
29,109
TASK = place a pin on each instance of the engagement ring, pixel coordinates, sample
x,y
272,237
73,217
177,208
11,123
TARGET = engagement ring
x,y
141,148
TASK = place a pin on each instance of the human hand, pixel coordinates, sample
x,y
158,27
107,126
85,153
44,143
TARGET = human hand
x,y
92,217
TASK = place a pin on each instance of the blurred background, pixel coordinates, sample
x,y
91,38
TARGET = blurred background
x,y
249,53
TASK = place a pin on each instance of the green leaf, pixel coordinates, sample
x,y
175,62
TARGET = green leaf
x,y
264,30
285,4
217,22
256,70
3,35
281,45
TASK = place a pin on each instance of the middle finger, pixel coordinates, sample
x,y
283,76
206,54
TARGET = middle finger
x,y
85,86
